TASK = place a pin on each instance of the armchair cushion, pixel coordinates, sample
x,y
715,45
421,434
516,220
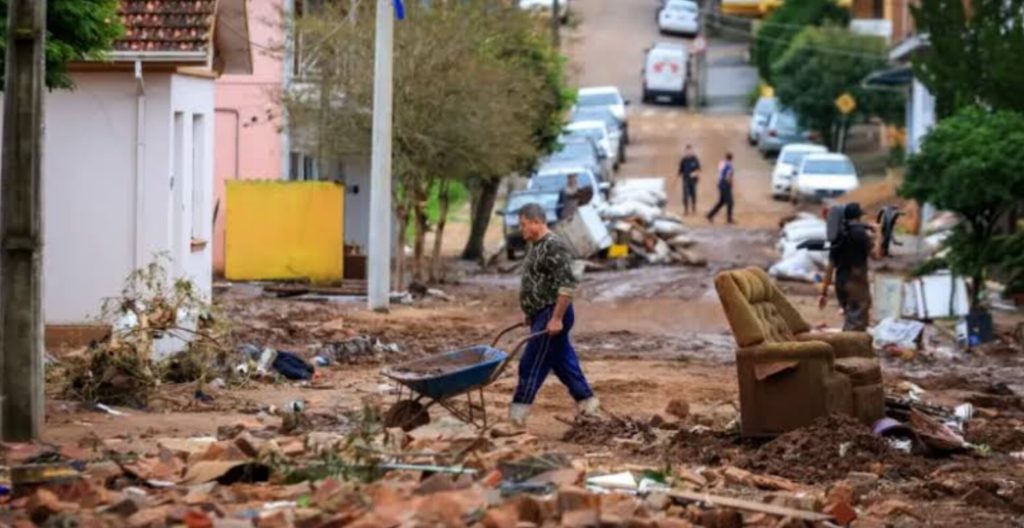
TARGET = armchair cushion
x,y
845,344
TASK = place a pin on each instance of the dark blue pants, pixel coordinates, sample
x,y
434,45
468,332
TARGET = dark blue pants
x,y
547,353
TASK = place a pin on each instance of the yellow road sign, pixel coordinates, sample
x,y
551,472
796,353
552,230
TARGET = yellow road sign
x,y
846,104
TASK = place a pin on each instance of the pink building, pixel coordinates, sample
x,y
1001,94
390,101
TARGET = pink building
x,y
251,136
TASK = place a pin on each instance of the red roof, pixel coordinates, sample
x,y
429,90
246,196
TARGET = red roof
x,y
166,25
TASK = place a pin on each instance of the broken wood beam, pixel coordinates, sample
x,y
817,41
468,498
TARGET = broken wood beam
x,y
748,505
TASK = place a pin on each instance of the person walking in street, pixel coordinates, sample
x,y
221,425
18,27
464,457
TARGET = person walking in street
x,y
546,301
848,261
689,171
725,187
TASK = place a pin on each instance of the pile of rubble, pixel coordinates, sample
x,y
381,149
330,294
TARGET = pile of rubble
x,y
251,474
632,228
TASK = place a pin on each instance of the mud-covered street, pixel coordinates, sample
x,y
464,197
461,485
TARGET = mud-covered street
x,y
654,342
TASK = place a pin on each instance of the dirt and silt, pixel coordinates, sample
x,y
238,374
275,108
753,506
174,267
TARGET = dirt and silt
x,y
657,350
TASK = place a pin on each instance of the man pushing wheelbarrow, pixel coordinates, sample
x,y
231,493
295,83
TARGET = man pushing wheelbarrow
x,y
546,300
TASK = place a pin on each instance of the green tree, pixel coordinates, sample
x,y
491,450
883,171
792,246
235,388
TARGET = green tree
x,y
973,164
974,57
530,52
75,30
464,107
823,63
785,23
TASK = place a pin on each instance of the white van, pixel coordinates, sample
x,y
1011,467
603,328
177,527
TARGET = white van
x,y
666,68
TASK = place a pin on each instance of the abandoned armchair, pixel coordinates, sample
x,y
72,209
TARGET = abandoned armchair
x,y
788,375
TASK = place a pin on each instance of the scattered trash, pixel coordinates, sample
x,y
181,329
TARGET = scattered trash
x,y
292,367
110,410
897,333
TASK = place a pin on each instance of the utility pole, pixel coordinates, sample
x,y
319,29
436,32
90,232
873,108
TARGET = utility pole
x,y
556,25
379,254
702,60
21,224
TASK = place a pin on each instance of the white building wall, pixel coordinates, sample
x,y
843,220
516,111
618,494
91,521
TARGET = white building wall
x,y
92,241
191,197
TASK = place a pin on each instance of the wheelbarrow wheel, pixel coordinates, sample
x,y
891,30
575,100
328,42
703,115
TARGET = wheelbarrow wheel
x,y
407,414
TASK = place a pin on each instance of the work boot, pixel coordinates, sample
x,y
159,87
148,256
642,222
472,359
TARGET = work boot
x,y
589,407
516,424
517,414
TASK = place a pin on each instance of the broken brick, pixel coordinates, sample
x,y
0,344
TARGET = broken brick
x,y
43,504
722,519
149,518
678,407
581,518
531,509
842,512
504,517
435,483
248,444
572,499
841,492
673,522
197,519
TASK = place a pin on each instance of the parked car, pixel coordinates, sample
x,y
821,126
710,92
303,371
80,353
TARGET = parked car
x,y
824,176
514,241
788,163
665,72
597,130
606,97
679,17
579,152
614,127
782,129
759,118
546,6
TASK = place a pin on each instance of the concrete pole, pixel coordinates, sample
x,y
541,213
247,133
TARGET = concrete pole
x,y
556,25
21,224
381,239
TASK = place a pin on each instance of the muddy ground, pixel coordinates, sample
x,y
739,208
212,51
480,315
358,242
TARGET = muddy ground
x,y
646,337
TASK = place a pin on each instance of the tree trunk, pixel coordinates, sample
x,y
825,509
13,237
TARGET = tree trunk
x,y
419,241
402,212
483,207
442,218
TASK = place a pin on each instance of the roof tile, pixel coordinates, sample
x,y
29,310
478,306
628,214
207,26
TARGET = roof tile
x,y
166,25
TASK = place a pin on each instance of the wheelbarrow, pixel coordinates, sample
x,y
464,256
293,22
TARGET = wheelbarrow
x,y
442,378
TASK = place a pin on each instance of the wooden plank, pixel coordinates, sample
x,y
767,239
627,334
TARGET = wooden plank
x,y
747,505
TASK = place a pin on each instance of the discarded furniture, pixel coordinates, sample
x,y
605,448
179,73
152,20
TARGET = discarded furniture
x,y
789,375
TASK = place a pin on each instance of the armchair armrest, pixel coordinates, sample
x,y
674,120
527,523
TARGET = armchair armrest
x,y
787,351
844,344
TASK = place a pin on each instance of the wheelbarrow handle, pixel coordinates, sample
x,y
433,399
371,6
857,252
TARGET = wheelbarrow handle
x,y
505,331
512,355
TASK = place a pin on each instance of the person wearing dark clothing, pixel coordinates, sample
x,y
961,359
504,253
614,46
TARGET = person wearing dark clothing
x,y
545,297
725,186
848,261
572,197
689,171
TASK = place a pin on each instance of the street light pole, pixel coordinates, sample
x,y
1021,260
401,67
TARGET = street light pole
x,y
21,224
381,239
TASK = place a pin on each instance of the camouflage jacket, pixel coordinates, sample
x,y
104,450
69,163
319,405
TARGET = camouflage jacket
x,y
547,273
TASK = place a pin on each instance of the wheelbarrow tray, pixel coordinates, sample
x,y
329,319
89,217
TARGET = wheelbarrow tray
x,y
449,374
